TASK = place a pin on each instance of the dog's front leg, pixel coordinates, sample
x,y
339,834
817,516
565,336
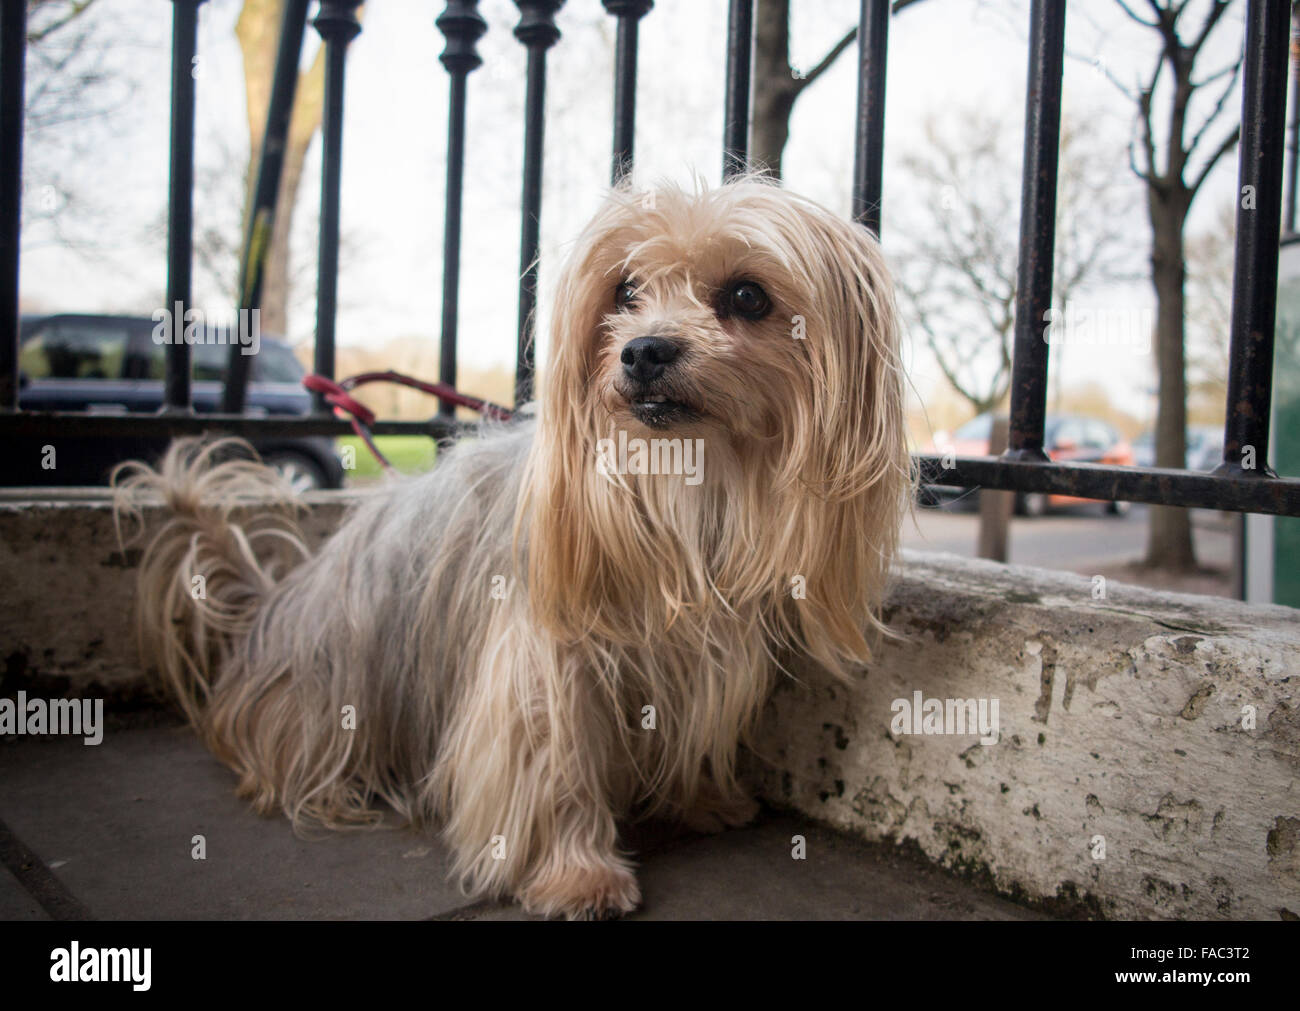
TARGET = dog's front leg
x,y
577,871
526,771
713,809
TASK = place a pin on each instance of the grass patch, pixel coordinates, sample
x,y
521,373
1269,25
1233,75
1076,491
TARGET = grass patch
x,y
409,454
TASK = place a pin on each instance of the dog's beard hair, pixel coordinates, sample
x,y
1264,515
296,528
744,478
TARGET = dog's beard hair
x,y
516,723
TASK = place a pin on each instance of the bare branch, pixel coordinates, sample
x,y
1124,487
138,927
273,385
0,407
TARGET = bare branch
x,y
1096,63
78,8
1166,22
1232,68
826,61
850,37
1229,142
1145,175
1218,107
1131,13
1152,174
1211,19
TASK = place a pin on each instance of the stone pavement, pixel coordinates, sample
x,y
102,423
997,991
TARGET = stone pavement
x,y
108,831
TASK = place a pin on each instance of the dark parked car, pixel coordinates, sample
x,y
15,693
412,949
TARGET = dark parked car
x,y
112,365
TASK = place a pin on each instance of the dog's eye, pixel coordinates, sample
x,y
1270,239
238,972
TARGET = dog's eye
x,y
748,300
625,295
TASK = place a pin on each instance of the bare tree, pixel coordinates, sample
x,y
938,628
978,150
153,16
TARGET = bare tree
x,y
778,84
1209,314
258,32
65,76
956,256
1173,156
70,85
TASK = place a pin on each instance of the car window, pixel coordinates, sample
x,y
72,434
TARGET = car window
x,y
1097,435
1067,431
209,361
978,427
75,349
148,360
275,363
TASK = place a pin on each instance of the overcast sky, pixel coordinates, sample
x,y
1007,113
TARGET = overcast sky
x,y
942,53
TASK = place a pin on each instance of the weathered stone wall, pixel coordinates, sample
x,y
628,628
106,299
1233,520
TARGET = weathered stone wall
x,y
1125,720
67,590
1164,727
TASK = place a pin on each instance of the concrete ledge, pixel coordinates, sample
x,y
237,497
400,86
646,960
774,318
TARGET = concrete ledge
x,y
1124,780
1122,719
67,591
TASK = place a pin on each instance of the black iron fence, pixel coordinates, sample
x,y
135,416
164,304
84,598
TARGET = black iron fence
x,y
1024,467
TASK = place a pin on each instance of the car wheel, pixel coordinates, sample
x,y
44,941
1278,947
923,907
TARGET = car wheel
x,y
302,473
1033,504
1118,508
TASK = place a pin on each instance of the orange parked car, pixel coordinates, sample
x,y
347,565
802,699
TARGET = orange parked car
x,y
1065,437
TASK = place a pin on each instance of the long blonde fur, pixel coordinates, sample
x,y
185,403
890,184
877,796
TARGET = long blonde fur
x,y
502,625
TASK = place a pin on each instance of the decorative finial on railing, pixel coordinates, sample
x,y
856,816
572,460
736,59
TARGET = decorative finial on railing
x,y
537,31
629,14
338,26
628,8
537,22
337,20
462,26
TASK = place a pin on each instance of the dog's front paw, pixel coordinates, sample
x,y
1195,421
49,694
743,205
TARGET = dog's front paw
x,y
718,815
603,892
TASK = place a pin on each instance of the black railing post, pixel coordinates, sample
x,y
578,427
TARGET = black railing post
x,y
1293,130
266,194
13,49
338,26
869,133
537,31
1037,229
1259,210
180,202
740,57
462,27
629,14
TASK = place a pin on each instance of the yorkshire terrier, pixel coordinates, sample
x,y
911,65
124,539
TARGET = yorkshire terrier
x,y
574,619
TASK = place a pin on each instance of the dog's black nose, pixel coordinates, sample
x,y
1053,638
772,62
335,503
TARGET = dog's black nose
x,y
644,358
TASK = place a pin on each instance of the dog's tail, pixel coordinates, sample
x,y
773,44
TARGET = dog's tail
x,y
209,560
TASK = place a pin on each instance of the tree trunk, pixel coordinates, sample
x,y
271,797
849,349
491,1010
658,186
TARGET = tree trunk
x,y
775,88
275,277
258,33
1169,534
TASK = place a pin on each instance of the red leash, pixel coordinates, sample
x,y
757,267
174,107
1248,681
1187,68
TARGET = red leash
x,y
361,417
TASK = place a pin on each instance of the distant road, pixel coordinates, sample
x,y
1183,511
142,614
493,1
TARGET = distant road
x,y
1080,539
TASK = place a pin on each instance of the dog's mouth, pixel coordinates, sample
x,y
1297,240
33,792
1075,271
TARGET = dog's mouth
x,y
658,410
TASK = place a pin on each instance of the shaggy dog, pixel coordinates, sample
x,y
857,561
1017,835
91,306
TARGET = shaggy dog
x,y
574,619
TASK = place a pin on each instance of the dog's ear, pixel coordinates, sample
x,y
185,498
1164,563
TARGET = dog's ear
x,y
846,468
555,529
